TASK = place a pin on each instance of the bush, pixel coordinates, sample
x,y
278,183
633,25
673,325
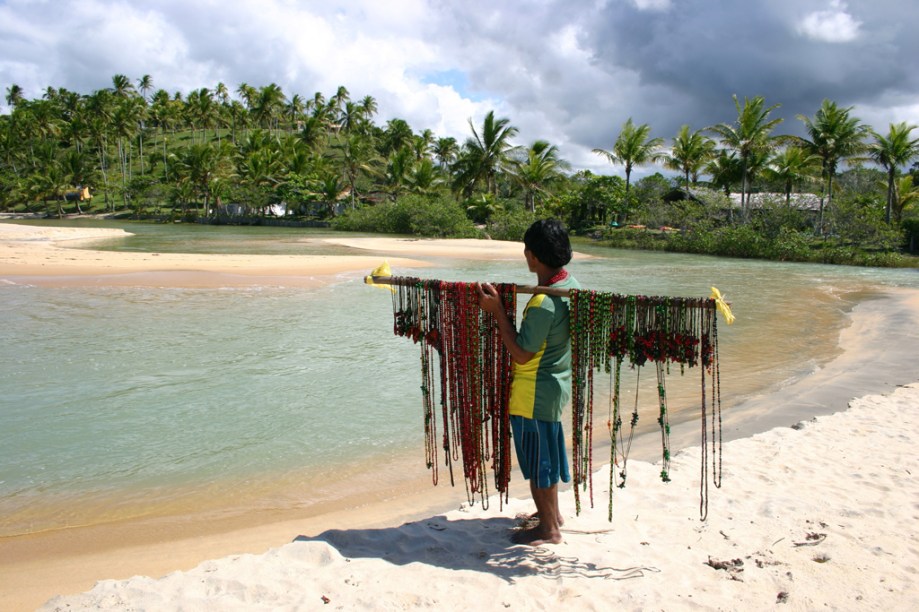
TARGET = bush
x,y
510,224
417,215
790,245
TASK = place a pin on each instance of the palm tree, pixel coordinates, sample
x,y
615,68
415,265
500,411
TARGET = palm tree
x,y
485,154
100,106
892,151
79,170
121,86
14,95
357,156
397,135
540,166
222,93
905,195
145,84
268,105
750,136
445,150
124,124
313,133
351,117
248,95
792,166
689,154
398,167
369,106
200,166
294,111
341,96
423,177
633,147
261,168
833,136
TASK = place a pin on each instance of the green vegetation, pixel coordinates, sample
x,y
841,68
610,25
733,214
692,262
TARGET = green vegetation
x,y
840,194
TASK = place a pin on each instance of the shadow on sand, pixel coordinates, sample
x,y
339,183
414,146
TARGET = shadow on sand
x,y
481,545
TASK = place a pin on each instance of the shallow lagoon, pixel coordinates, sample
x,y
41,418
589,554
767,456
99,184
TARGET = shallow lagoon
x,y
123,402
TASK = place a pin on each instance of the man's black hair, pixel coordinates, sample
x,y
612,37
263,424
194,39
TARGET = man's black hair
x,y
547,239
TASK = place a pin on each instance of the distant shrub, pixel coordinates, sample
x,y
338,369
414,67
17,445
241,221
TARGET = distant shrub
x,y
509,224
416,215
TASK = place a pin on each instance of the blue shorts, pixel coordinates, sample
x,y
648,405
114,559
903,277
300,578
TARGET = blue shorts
x,y
540,451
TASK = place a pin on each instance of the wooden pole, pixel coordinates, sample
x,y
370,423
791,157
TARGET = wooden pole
x,y
408,281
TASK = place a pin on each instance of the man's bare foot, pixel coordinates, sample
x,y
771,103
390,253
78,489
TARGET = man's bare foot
x,y
533,519
536,537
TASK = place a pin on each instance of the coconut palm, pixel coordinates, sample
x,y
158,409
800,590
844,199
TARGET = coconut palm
x,y
793,166
891,152
357,157
313,133
369,106
689,154
485,154
14,95
906,194
222,93
833,136
351,117
268,105
199,166
100,106
79,170
395,175
422,144
145,84
445,150
341,96
536,170
294,111
750,136
124,126
423,177
633,147
122,86
396,135
247,94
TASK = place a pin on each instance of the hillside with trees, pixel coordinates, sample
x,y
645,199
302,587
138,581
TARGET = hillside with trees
x,y
840,193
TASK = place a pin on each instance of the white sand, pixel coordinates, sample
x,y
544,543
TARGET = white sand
x,y
818,518
47,253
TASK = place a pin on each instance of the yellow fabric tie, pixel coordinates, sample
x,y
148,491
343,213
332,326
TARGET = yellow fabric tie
x,y
381,270
722,306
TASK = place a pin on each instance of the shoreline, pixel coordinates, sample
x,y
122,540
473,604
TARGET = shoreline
x,y
39,562
781,530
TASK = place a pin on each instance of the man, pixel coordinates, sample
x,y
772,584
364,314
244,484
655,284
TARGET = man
x,y
541,386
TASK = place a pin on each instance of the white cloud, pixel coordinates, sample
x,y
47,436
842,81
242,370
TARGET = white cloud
x,y
652,5
834,25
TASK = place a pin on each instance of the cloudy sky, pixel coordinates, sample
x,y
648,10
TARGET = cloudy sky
x,y
567,71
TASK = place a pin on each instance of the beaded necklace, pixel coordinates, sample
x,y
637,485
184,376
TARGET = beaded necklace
x,y
607,329
473,369
470,380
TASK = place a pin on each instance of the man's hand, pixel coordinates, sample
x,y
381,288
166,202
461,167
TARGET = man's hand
x,y
489,300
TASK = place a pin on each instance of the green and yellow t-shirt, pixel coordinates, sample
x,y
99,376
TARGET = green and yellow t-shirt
x,y
542,386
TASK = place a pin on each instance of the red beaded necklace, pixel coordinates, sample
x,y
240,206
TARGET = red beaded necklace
x,y
474,371
559,277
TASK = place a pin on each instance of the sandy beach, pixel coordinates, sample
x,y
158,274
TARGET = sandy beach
x,y
814,512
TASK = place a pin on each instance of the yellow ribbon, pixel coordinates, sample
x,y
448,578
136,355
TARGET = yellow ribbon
x,y
381,270
722,306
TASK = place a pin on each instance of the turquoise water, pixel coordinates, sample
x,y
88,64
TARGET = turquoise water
x,y
117,400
